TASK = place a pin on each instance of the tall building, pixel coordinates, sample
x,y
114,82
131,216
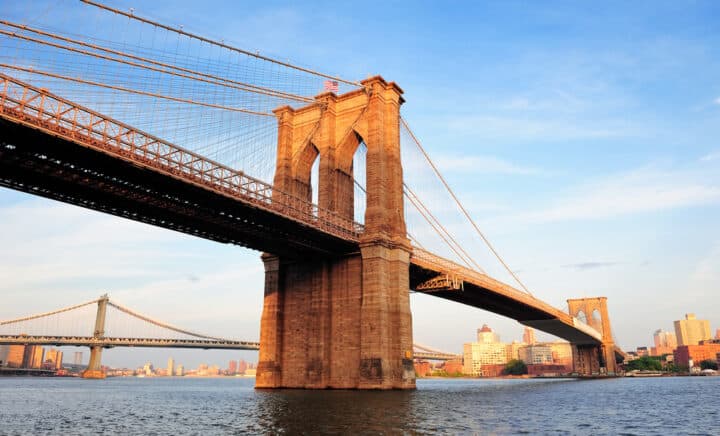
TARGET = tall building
x,y
77,358
34,356
690,331
513,350
488,350
180,371
717,334
485,335
529,336
665,343
232,367
242,366
171,367
53,358
15,355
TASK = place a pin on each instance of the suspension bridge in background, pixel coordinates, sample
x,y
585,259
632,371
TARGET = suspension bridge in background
x,y
112,325
138,119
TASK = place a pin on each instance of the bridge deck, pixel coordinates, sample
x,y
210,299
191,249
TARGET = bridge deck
x,y
481,291
89,341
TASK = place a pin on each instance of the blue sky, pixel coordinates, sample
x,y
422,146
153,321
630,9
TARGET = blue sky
x,y
582,137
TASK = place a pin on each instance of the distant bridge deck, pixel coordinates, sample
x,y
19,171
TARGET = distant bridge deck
x,y
89,341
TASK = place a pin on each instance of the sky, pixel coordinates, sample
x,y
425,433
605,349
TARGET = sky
x,y
582,137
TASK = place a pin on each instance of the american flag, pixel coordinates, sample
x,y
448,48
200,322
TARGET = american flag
x,y
331,85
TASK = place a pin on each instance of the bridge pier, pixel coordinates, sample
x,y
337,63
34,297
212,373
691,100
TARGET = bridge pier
x,y
94,369
342,321
590,360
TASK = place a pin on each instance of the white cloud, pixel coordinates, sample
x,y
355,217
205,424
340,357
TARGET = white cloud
x,y
708,269
715,155
483,164
495,127
643,190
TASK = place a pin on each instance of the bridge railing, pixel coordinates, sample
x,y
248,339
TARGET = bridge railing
x,y
40,109
434,262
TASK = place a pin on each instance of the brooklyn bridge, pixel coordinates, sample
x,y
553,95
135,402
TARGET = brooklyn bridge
x,y
311,170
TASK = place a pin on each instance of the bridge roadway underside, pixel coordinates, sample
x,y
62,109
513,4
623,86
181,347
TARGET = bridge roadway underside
x,y
41,164
550,321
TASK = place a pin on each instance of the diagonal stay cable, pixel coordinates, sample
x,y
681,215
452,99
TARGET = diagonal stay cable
x,y
462,208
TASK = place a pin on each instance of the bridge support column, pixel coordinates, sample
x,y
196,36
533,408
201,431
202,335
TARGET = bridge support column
x,y
94,369
594,359
342,321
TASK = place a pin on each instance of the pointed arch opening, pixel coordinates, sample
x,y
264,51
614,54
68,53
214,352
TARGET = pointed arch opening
x,y
352,177
582,317
306,161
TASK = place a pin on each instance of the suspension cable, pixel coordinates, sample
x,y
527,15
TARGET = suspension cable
x,y
134,91
439,224
219,44
462,208
161,324
229,83
42,315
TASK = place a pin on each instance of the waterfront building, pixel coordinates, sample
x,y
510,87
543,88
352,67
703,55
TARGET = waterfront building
x,y
180,371
642,351
453,366
148,369
15,355
513,350
232,367
717,334
690,331
488,350
561,352
4,350
684,354
53,359
34,356
536,354
529,336
242,366
171,367
485,335
77,358
665,343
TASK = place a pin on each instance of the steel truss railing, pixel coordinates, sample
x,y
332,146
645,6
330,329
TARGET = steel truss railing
x,y
454,271
38,108
126,342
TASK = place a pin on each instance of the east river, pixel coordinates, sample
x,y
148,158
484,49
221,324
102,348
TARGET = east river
x,y
57,406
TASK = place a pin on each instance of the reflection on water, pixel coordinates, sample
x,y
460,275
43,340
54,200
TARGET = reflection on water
x,y
231,406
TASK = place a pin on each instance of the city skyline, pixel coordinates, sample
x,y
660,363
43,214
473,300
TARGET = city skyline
x,y
592,166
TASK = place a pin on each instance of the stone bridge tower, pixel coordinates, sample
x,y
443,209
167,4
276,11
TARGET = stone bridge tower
x,y
342,322
593,359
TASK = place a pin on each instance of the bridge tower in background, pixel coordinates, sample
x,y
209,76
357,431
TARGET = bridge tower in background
x,y
341,322
594,359
94,369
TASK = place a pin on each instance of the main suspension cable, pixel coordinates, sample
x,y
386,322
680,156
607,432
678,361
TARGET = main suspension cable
x,y
462,208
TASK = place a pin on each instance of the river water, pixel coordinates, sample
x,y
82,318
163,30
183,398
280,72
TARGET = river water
x,y
679,405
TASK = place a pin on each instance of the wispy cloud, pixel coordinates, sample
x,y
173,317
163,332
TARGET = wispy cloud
x,y
496,127
484,164
711,156
708,269
582,266
639,191
717,100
